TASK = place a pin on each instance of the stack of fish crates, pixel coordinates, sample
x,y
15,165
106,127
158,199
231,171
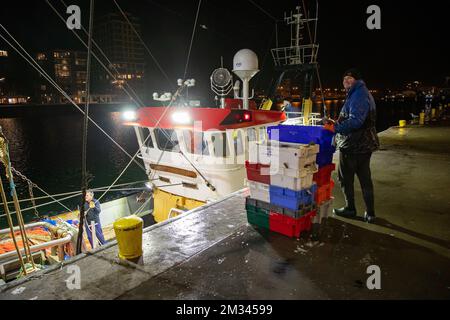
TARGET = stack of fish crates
x,y
283,189
322,178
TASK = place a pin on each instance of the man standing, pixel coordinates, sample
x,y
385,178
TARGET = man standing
x,y
356,139
92,212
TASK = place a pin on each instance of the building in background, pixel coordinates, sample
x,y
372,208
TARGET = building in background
x,y
68,69
120,44
10,91
3,71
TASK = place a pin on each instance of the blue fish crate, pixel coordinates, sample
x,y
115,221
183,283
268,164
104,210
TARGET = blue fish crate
x,y
303,135
290,199
325,158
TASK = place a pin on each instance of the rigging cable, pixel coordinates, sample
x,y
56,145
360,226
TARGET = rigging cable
x,y
84,178
192,38
264,11
66,193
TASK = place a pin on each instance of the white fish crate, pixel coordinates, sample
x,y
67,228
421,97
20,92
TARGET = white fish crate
x,y
293,183
259,191
264,154
309,169
288,155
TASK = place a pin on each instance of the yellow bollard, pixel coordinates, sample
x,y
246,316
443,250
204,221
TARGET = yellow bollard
x,y
128,232
422,118
402,123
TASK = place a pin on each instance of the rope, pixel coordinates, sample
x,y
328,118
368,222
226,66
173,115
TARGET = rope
x,y
143,206
192,38
78,192
125,169
37,67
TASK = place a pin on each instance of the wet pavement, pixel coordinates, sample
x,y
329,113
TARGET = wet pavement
x,y
212,253
255,264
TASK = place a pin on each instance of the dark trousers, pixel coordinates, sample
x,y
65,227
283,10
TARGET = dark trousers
x,y
359,164
98,232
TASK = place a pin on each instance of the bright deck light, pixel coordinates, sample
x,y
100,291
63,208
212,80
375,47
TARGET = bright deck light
x,y
181,118
129,115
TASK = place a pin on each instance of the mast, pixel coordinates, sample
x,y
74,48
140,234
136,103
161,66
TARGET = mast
x,y
84,178
297,58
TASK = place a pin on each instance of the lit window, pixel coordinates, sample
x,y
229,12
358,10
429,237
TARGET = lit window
x,y
80,62
3,53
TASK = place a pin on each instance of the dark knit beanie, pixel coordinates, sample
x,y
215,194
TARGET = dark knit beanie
x,y
353,72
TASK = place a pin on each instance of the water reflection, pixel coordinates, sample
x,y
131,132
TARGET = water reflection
x,y
47,149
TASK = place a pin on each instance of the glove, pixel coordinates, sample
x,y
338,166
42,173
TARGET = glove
x,y
328,124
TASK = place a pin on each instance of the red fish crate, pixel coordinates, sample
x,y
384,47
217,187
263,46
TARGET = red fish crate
x,y
324,193
254,172
323,176
288,226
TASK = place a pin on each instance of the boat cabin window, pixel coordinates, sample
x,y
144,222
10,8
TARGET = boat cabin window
x,y
251,134
262,134
220,145
238,143
146,136
195,142
256,134
166,139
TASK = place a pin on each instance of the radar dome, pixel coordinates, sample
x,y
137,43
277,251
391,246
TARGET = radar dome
x,y
245,60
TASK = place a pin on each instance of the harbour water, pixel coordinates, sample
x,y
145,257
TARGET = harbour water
x,y
47,149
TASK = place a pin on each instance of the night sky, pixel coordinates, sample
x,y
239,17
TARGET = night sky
x,y
412,44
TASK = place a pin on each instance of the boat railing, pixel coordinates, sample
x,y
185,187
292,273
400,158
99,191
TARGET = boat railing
x,y
295,55
68,236
297,118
